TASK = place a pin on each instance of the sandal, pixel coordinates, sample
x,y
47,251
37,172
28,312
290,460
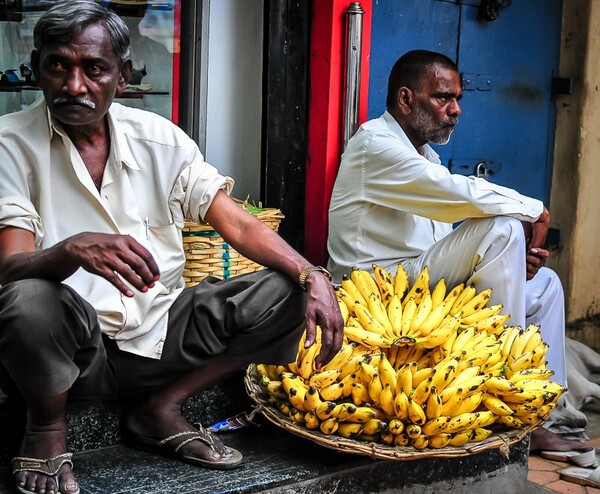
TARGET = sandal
x,y
585,457
49,467
582,476
171,446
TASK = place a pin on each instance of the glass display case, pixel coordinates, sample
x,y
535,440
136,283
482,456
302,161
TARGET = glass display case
x,y
155,53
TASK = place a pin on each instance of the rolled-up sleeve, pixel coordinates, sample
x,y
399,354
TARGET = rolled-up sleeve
x,y
20,213
195,188
406,181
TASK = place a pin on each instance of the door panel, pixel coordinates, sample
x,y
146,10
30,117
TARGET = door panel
x,y
507,67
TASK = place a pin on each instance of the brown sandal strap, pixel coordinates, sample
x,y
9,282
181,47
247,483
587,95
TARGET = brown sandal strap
x,y
49,466
177,441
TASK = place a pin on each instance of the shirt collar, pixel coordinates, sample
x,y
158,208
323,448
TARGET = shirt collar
x,y
122,153
425,150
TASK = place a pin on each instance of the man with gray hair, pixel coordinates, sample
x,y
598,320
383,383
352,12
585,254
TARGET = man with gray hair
x,y
93,196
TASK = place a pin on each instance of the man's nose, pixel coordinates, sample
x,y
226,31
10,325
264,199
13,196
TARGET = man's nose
x,y
75,81
455,109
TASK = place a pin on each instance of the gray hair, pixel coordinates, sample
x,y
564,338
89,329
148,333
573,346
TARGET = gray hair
x,y
67,18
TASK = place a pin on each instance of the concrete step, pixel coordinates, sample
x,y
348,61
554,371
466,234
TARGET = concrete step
x,y
96,425
277,462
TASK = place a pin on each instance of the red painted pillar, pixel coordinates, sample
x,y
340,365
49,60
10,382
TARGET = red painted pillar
x,y
326,112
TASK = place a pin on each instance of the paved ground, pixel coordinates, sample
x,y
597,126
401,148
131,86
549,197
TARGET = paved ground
x,y
544,473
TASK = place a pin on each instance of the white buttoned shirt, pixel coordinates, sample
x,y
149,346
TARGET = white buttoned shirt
x,y
391,201
154,179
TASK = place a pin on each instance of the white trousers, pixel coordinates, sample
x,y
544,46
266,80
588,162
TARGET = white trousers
x,y
490,253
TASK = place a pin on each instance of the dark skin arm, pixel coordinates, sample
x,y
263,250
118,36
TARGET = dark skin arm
x,y
535,236
255,240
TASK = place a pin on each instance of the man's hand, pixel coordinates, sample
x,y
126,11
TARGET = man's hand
x,y
535,239
322,308
535,259
116,258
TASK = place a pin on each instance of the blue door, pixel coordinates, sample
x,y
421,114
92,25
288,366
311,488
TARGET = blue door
x,y
506,131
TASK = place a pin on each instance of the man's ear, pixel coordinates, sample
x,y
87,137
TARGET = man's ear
x,y
35,64
405,100
124,75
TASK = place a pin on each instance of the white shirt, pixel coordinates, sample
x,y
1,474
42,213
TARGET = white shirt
x,y
391,201
155,178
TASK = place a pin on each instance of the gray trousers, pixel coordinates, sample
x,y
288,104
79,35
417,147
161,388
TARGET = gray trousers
x,y
50,341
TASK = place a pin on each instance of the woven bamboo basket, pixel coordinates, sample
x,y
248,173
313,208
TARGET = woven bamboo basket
x,y
501,440
207,254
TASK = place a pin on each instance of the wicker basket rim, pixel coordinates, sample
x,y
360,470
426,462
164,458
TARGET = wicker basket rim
x,y
500,441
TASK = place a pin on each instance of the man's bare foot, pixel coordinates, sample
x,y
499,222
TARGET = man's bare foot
x,y
43,443
544,439
159,419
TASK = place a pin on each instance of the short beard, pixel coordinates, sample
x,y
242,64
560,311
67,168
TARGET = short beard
x,y
427,129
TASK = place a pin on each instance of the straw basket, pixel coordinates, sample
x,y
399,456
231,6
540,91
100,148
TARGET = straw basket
x,y
499,440
207,254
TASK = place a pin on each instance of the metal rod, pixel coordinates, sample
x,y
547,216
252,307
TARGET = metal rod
x,y
354,15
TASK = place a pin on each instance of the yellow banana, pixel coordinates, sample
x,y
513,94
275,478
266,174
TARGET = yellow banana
x,y
440,334
312,399
340,358
401,440
500,386
373,426
349,430
462,339
423,310
534,340
444,374
296,415
343,411
522,362
325,409
451,405
440,440
420,286
460,438
420,442
511,421
521,341
329,426
465,296
404,378
485,418
402,356
506,339
480,434
461,422
366,338
385,282
379,312
435,426
539,355
375,388
476,303
324,378
416,414
481,314
496,405
421,375
368,320
409,308
542,374
387,374
470,403
344,311
332,392
386,400
412,430
311,421
401,406
348,285
433,320
396,426
363,414
360,394
421,392
401,281
394,313
346,300
438,294
492,324
364,282
433,406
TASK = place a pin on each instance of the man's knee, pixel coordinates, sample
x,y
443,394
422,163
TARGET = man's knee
x,y
33,307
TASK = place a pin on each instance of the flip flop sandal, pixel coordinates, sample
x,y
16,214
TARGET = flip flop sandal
x,y
49,467
585,457
171,446
582,476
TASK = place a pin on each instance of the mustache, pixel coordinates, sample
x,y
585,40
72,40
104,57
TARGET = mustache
x,y
75,100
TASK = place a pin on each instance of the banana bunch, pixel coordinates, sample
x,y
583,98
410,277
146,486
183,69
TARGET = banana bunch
x,y
419,367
